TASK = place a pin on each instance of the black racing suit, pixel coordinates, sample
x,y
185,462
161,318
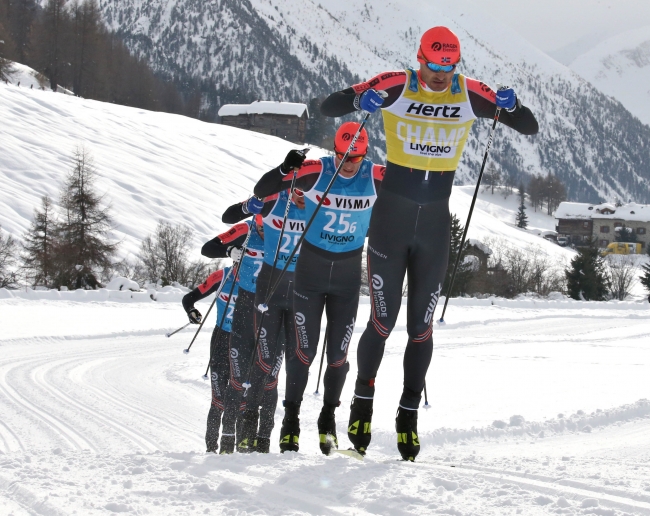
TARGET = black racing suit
x,y
327,281
276,332
410,235
219,363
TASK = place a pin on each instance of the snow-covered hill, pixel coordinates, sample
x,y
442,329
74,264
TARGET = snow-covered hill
x,y
155,166
620,67
295,50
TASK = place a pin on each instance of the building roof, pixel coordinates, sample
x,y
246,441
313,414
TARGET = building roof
x,y
260,107
630,211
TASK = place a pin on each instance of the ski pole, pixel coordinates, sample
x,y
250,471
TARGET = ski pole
x,y
258,334
232,288
176,331
426,397
320,369
469,216
186,351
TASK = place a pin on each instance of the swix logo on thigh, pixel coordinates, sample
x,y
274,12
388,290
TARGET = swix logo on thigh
x,y
432,304
349,329
264,344
378,296
300,295
234,354
303,341
276,368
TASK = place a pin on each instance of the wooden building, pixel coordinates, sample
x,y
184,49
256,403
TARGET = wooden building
x,y
583,222
286,120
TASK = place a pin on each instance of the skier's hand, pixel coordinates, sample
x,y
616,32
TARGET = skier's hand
x,y
253,206
234,253
293,160
370,101
506,98
195,316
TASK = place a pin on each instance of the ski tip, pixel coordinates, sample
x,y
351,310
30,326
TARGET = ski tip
x,y
348,453
186,351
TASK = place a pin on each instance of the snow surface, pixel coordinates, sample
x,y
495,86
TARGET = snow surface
x,y
538,408
260,107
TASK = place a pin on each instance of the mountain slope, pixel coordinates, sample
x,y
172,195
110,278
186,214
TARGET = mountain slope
x,y
620,67
153,166
295,50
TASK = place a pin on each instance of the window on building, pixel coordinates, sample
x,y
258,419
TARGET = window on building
x,y
585,224
640,231
604,229
604,243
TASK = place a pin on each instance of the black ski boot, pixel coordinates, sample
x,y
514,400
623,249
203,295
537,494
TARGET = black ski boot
x,y
359,427
290,431
406,424
246,431
262,444
212,431
227,444
327,429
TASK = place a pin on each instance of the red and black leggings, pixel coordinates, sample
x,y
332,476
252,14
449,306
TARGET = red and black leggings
x,y
409,235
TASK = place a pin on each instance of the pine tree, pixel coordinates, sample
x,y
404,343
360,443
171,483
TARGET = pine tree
x,y
492,177
522,219
8,248
40,244
82,247
586,277
645,278
464,273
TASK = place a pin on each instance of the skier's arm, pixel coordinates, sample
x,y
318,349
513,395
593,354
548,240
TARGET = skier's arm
x,y
237,212
210,285
276,180
483,101
347,101
378,172
218,247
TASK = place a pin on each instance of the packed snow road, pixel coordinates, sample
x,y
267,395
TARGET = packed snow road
x,y
537,408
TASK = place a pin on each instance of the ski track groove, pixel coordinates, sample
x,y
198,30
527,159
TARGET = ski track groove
x,y
570,489
66,432
40,374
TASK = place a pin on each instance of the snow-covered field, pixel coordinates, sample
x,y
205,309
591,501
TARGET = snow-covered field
x,y
537,408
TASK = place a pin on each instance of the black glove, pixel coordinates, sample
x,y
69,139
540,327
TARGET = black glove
x,y
195,316
293,160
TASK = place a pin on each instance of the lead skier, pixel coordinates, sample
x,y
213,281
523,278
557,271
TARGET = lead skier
x,y
328,271
427,117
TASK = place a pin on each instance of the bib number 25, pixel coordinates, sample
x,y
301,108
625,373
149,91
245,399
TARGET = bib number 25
x,y
342,226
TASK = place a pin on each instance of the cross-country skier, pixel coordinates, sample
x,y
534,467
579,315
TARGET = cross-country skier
x,y
427,117
328,272
278,321
243,333
219,361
